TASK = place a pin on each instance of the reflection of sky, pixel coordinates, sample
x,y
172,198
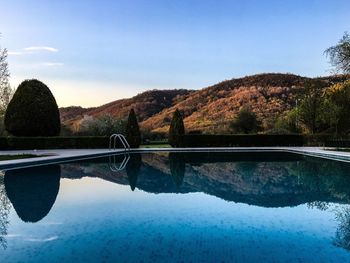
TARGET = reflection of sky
x,y
94,220
88,192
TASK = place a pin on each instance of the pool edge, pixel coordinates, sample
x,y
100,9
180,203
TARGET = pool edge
x,y
62,156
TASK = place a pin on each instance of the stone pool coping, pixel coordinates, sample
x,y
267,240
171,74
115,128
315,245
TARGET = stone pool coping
x,y
67,155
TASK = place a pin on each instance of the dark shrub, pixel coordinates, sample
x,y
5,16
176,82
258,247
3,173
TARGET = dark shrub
x,y
256,140
245,122
33,111
176,130
30,143
148,136
195,132
338,143
133,135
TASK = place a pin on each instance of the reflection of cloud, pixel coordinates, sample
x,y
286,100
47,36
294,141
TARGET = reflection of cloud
x,y
13,235
41,48
41,239
52,223
52,64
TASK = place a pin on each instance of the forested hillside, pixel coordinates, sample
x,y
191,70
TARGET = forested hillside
x,y
210,109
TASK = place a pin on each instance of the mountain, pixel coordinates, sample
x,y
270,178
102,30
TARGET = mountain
x,y
145,104
210,109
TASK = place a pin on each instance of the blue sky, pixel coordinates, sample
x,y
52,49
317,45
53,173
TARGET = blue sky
x,y
92,52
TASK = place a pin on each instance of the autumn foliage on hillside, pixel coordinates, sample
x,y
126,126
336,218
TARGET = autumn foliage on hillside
x,y
145,105
212,109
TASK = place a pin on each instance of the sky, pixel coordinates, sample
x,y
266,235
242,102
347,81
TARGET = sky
x,y
93,52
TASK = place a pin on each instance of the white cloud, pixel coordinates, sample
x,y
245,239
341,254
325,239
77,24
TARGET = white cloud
x,y
15,53
52,64
41,48
31,50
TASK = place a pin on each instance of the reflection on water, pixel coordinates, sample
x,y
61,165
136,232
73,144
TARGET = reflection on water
x,y
177,167
342,237
268,180
33,191
4,213
133,168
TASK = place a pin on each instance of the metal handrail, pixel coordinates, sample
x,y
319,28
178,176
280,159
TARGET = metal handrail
x,y
113,164
122,139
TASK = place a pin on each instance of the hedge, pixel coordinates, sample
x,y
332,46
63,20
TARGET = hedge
x,y
340,143
317,139
192,140
189,140
31,143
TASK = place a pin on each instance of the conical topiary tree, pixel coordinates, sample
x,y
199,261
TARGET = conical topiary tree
x,y
176,130
133,135
33,111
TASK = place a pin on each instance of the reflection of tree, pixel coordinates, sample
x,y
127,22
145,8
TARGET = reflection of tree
x,y
270,180
323,206
33,191
342,235
133,169
326,178
5,207
247,169
177,167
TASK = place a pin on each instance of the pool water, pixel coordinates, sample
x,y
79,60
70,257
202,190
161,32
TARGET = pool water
x,y
178,207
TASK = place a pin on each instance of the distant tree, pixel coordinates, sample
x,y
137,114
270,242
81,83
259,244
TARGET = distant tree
x,y
6,91
340,54
4,71
33,111
133,134
177,129
103,125
337,107
287,123
245,122
310,108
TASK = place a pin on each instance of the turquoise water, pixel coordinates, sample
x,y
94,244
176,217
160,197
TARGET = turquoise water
x,y
178,207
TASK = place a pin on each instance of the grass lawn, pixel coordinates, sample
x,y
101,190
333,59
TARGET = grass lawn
x,y
16,156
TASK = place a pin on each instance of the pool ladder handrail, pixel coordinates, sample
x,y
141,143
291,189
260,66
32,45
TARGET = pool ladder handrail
x,y
122,139
113,164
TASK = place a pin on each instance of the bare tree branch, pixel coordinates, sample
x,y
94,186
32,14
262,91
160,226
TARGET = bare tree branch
x,y
339,54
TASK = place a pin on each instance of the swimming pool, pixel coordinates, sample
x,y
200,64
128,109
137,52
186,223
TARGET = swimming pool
x,y
178,206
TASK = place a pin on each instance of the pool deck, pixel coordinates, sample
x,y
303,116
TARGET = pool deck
x,y
66,155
